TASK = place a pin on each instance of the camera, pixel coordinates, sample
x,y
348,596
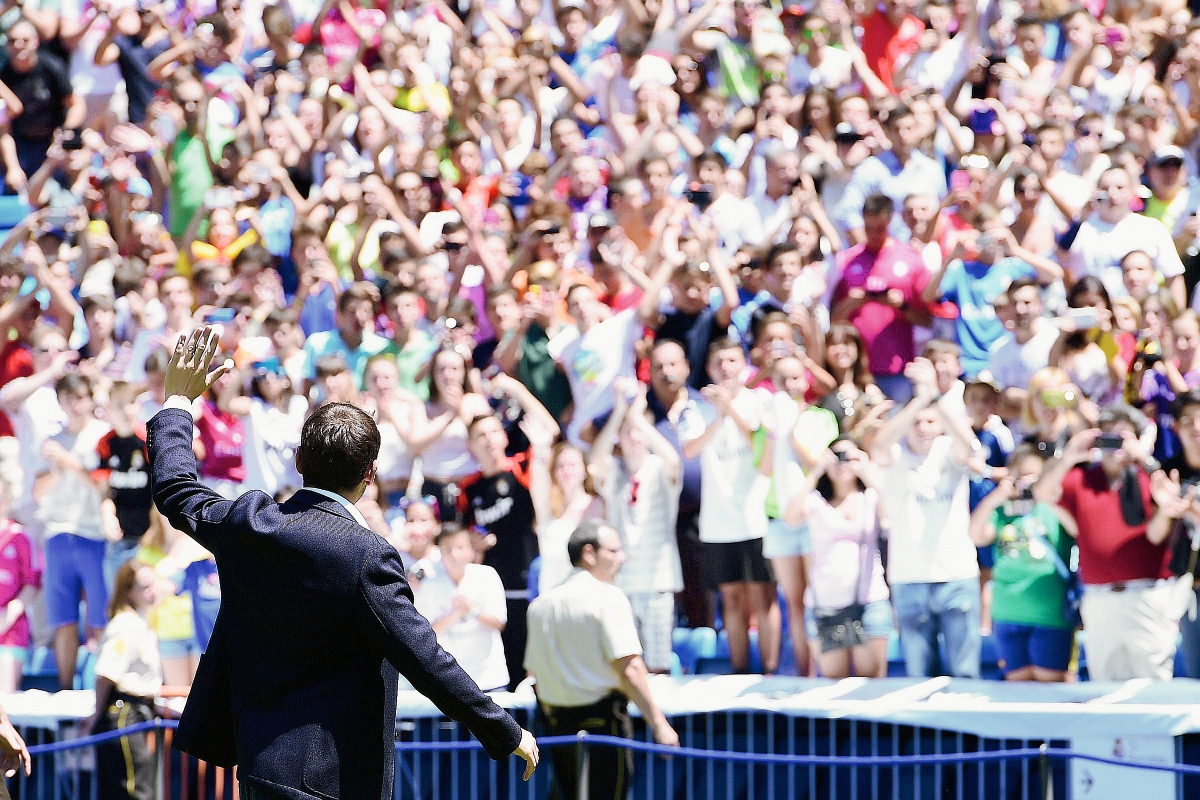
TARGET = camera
x,y
701,196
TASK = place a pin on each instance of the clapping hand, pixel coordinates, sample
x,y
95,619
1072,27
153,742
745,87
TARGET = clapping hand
x,y
187,372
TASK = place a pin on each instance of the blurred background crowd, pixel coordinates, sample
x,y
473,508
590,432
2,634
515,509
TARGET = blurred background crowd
x,y
855,322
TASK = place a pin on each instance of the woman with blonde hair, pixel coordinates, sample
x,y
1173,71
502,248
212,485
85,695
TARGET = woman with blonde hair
x,y
128,678
1053,411
563,497
162,548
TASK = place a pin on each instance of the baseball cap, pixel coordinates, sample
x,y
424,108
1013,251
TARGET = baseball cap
x,y
1167,152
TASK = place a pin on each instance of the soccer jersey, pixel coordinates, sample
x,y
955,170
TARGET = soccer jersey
x,y
501,505
123,465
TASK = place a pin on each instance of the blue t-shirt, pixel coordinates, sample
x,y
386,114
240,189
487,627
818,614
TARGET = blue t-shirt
x,y
200,578
972,286
993,456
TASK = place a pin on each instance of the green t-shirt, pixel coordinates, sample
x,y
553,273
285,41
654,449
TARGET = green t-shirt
x,y
540,373
192,178
418,349
1026,586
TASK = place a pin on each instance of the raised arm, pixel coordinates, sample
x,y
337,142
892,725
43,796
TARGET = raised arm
x,y
178,493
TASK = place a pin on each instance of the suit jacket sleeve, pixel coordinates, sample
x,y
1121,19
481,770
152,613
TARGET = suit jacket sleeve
x,y
407,640
178,493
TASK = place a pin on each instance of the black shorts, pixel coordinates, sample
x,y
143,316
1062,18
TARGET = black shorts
x,y
735,562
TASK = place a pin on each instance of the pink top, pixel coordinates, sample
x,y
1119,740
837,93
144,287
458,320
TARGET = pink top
x,y
886,332
223,437
16,572
841,547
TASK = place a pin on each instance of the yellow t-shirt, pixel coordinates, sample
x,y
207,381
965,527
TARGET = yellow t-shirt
x,y
172,618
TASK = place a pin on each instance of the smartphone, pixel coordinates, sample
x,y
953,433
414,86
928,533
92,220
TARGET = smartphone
x,y
59,218
875,286
1084,318
1113,36
840,455
984,241
960,181
701,196
1102,197
72,139
220,316
1109,441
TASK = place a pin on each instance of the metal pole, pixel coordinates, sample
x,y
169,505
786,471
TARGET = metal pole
x,y
1044,769
159,744
581,765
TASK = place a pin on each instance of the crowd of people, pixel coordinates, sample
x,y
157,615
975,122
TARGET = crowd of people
x,y
877,318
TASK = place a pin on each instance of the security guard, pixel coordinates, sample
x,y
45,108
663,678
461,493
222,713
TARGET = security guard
x,y
584,653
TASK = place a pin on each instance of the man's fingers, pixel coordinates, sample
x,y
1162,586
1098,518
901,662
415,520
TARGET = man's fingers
x,y
216,374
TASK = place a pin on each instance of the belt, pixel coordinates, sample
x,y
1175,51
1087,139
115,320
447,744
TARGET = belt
x,y
1124,586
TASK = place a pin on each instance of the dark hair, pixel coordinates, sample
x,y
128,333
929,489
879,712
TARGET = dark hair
x,y
356,293
824,485
1023,283
713,156
587,533
840,332
1184,401
435,393
449,529
338,445
878,205
1120,412
254,255
72,383
722,344
777,250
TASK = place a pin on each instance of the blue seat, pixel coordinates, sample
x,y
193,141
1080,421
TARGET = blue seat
x,y
85,669
897,667
719,663
693,644
40,671
535,575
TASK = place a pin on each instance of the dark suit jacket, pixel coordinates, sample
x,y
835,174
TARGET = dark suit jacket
x,y
298,686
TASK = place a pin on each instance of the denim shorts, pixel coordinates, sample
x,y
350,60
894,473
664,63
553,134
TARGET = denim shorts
x,y
178,648
877,620
1025,645
785,540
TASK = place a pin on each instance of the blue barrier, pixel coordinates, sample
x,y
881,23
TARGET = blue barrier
x,y
587,739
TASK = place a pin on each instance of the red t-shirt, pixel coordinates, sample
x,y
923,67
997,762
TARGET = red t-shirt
x,y
883,45
223,436
887,334
1111,551
17,571
15,362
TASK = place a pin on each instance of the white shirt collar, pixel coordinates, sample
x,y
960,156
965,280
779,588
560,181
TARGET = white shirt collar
x,y
354,512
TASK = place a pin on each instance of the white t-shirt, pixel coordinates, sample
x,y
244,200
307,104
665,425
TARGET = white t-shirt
x,y
645,520
926,500
737,223
477,648
395,459
38,418
269,451
552,539
836,70
86,77
1100,246
592,361
1013,364
73,505
732,491
576,631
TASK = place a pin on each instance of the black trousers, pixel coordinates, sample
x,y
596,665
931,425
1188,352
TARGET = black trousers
x,y
696,601
125,767
609,770
513,637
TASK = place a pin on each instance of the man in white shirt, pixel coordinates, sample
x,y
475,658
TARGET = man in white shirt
x,y
733,516
922,454
1014,357
585,657
1112,232
774,202
464,602
735,219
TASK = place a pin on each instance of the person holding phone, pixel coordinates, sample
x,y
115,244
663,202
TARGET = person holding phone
x,y
1032,542
1086,348
1124,514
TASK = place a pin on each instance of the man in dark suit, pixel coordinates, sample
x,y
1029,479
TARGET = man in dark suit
x,y
298,686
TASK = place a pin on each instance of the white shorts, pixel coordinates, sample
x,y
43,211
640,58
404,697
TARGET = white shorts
x,y
1130,634
654,616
